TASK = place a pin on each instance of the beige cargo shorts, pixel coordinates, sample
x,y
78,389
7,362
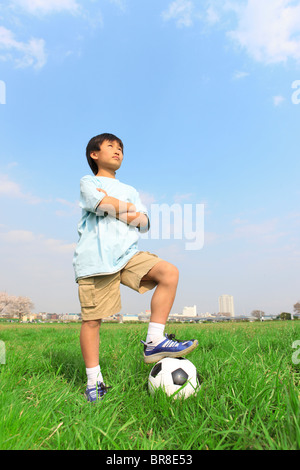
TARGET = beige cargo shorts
x,y
100,295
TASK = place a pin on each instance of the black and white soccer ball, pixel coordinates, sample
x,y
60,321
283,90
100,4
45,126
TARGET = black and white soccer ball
x,y
178,377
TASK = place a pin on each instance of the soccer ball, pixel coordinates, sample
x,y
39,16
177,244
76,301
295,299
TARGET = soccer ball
x,y
178,377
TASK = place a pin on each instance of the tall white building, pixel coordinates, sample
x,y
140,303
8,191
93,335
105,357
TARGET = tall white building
x,y
226,304
190,311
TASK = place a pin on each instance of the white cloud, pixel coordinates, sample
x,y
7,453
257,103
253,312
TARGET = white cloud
x,y
238,75
212,15
180,11
39,243
184,12
45,7
31,53
17,236
268,30
58,246
8,187
119,3
146,198
72,208
39,267
13,190
278,100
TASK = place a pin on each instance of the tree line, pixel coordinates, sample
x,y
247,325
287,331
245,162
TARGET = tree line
x,y
283,315
19,305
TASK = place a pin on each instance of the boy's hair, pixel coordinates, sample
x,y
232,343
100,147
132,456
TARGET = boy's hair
x,y
94,146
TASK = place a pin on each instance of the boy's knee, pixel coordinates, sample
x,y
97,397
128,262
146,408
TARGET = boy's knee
x,y
92,323
171,273
175,272
163,272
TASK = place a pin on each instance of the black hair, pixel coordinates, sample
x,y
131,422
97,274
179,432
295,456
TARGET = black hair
x,y
94,146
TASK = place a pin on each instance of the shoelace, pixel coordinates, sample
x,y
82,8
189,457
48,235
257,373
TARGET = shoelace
x,y
103,388
172,337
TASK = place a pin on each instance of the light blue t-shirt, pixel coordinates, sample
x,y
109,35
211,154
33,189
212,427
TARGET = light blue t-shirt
x,y
105,243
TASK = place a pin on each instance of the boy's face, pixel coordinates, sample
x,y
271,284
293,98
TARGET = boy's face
x,y
109,158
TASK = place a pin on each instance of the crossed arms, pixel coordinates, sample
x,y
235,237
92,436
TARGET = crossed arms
x,y
124,211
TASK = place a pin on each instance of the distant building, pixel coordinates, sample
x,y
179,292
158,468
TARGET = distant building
x,y
71,317
144,316
189,311
116,318
52,316
28,317
205,315
226,305
128,317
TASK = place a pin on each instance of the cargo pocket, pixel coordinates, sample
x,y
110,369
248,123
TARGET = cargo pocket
x,y
87,295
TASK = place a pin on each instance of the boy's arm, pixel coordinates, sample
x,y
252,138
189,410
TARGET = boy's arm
x,y
137,219
124,211
114,206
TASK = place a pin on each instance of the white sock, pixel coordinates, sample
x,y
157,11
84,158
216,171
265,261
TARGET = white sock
x,y
93,375
155,333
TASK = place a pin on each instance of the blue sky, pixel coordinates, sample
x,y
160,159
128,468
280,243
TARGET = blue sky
x,y
201,94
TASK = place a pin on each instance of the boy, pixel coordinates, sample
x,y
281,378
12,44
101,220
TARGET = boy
x,y
107,254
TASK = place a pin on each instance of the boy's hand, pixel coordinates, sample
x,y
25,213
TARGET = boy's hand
x,y
130,216
136,219
118,207
102,191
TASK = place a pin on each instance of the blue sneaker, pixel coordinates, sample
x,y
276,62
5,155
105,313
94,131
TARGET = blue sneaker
x,y
96,393
169,347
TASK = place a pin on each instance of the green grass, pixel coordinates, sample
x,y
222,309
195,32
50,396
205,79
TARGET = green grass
x,y
249,398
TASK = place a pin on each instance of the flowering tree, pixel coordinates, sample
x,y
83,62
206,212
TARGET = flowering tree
x,y
5,300
257,314
297,307
11,305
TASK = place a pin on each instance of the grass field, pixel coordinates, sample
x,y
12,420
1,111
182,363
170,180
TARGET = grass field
x,y
249,398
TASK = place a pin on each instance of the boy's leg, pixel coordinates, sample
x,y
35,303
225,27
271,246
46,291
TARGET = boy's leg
x,y
89,342
99,297
166,276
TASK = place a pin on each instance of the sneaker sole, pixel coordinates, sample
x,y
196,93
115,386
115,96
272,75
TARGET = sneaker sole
x,y
158,356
